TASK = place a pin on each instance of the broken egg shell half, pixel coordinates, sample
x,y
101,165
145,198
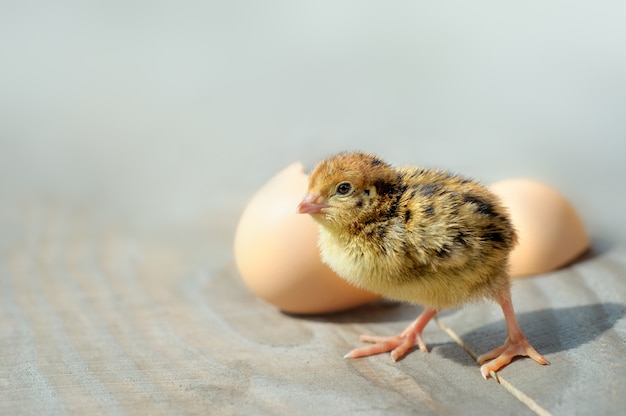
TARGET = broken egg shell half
x,y
551,234
277,256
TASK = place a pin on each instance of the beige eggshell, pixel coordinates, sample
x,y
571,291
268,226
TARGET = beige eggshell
x,y
551,234
277,256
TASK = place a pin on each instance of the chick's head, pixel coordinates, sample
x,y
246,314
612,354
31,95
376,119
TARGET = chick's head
x,y
347,188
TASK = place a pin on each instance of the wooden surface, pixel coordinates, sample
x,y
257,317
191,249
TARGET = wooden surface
x,y
132,135
99,321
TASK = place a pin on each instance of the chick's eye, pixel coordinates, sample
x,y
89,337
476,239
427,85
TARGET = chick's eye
x,y
344,188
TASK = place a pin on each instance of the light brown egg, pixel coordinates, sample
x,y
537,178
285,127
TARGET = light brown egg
x,y
276,252
277,255
551,233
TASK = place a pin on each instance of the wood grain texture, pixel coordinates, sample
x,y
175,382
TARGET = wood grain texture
x,y
98,319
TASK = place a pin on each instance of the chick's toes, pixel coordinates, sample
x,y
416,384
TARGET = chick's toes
x,y
399,345
504,354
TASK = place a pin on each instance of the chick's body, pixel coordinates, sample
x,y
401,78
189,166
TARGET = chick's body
x,y
427,237
419,235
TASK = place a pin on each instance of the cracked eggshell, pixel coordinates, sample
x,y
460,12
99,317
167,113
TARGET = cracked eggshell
x,y
551,234
277,255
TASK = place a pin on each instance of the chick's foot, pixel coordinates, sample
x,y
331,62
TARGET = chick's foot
x,y
400,344
515,345
503,355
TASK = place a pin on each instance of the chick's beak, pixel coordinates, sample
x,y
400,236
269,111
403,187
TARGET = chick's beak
x,y
310,204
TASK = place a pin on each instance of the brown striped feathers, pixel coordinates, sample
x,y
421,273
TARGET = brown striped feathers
x,y
419,235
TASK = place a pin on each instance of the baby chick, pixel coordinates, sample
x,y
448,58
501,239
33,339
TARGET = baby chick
x,y
418,235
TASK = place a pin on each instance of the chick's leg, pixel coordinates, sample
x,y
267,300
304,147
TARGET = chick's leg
x,y
515,345
398,344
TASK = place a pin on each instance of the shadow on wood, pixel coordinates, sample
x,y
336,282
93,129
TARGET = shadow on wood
x,y
550,330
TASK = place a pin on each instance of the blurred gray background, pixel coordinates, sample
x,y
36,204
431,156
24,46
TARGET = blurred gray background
x,y
158,112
